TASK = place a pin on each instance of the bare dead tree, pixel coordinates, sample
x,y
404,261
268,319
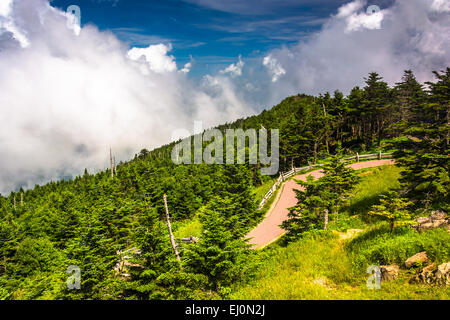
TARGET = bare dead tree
x,y
21,199
111,163
172,239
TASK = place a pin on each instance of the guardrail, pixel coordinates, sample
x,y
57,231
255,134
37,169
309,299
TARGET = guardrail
x,y
288,174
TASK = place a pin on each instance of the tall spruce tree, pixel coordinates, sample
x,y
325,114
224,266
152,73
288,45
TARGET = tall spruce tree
x,y
220,254
425,151
320,197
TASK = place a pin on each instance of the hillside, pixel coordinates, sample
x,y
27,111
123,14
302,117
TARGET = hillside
x,y
330,265
86,221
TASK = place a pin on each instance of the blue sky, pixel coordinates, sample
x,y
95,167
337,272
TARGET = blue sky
x,y
213,32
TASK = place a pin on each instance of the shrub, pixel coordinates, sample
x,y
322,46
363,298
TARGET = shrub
x,y
379,246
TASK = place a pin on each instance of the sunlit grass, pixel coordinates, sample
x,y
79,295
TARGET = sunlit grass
x,y
262,190
320,268
374,183
325,267
187,228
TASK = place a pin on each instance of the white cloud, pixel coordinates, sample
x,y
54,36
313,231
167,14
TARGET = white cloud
x,y
234,69
258,7
358,21
350,8
274,67
66,99
5,7
441,5
356,16
187,68
156,57
411,36
7,24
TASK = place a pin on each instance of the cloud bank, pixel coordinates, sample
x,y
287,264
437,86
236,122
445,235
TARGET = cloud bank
x,y
67,98
409,34
68,94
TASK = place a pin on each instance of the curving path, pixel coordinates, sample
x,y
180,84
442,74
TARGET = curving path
x,y
269,229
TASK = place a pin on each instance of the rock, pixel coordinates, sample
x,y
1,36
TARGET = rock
x,y
416,259
436,220
433,275
443,274
422,220
389,273
438,215
323,282
426,276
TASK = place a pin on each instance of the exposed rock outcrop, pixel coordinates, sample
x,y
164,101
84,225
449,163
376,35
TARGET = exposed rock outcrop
x,y
443,274
416,260
433,275
436,220
389,273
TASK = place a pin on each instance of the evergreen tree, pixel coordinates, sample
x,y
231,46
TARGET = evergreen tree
x,y
425,151
220,254
320,197
376,100
394,209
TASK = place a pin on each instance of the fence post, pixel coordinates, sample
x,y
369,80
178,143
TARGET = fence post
x,y
357,157
379,155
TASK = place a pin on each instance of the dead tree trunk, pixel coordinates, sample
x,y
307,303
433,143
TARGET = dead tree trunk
x,y
111,163
172,239
14,200
325,219
21,199
315,152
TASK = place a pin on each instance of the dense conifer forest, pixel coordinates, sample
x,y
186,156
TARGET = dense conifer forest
x,y
89,220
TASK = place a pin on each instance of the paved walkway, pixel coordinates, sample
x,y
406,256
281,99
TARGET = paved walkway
x,y
269,229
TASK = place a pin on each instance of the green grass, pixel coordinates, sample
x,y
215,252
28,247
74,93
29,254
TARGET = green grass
x,y
193,226
186,228
379,246
321,266
374,183
262,190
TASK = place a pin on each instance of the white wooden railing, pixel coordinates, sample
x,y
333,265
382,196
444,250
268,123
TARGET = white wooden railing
x,y
283,176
